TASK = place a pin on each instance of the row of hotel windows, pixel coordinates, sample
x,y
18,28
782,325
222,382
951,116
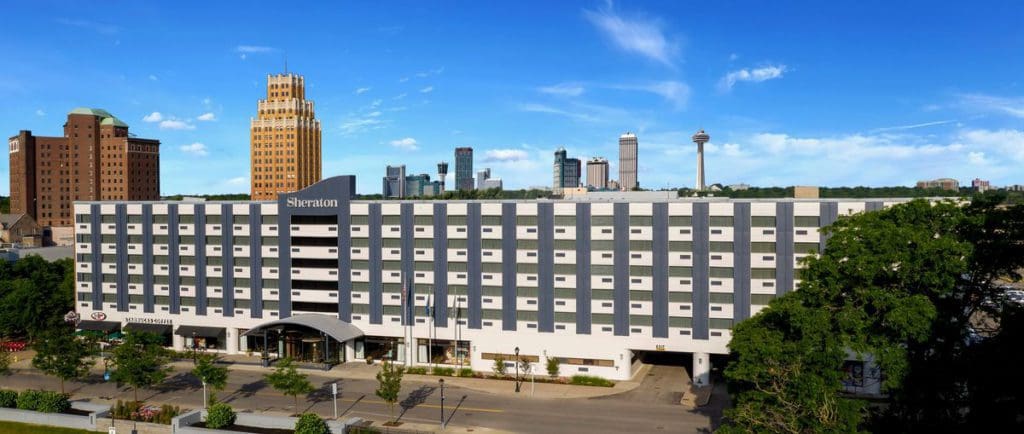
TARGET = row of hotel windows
x,y
461,220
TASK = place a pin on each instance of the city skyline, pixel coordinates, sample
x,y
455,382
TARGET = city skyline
x,y
810,105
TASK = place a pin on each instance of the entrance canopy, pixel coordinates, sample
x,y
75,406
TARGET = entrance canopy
x,y
99,326
157,329
340,330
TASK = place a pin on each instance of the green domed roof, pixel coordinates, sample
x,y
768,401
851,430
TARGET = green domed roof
x,y
108,119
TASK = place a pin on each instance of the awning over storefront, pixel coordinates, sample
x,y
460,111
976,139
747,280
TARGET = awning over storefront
x,y
157,329
332,326
99,326
203,332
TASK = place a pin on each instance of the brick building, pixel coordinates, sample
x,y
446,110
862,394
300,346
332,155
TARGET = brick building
x,y
95,159
285,139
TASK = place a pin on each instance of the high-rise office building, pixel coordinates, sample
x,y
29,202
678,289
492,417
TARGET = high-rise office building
x,y
565,171
95,159
394,182
464,168
597,173
627,162
285,138
421,186
485,182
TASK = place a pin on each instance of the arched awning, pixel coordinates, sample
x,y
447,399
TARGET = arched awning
x,y
332,326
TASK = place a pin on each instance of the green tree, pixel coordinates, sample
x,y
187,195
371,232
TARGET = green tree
x,y
140,361
311,423
63,355
499,367
389,386
209,373
553,366
5,362
899,285
287,380
35,295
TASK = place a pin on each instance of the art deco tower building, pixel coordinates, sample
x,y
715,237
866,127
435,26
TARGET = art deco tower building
x,y
285,139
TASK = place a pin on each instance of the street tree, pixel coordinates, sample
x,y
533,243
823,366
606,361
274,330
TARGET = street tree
x,y
5,362
140,361
63,355
553,366
34,295
209,373
389,386
287,380
900,286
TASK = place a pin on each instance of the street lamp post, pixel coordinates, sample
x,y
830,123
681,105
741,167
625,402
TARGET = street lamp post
x,y
442,401
194,348
517,369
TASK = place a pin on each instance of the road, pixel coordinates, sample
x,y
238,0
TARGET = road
x,y
465,410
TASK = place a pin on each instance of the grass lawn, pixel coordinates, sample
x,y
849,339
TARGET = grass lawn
x,y
24,428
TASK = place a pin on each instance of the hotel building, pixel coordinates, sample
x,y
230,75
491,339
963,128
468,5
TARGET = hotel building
x,y
319,276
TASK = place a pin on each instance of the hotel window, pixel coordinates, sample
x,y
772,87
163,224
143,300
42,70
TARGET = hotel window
x,y
640,320
602,294
602,220
526,292
526,268
602,245
270,283
680,271
806,248
640,270
564,268
490,267
607,270
241,282
213,219
241,241
721,246
806,221
565,244
641,220
391,243
720,272
457,267
641,245
391,220
360,242
134,218
721,297
490,220
680,297
215,281
681,322
186,239
526,220
720,221
268,241
526,244
565,220
762,247
240,219
680,220
762,221
680,246
423,220
720,323
391,265
641,295
187,219
360,220
458,243
762,273
602,318
268,219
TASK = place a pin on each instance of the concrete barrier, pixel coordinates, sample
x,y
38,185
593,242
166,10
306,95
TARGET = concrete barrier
x,y
49,419
182,424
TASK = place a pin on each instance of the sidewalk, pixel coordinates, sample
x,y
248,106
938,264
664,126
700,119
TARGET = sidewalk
x,y
360,370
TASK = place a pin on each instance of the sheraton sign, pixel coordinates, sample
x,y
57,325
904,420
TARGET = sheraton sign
x,y
294,202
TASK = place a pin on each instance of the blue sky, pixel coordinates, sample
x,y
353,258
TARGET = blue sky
x,y
807,93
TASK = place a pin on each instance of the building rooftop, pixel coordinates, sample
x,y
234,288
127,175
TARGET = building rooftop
x,y
108,119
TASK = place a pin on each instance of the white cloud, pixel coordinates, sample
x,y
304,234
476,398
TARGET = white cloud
x,y
403,79
175,124
153,117
254,49
355,125
639,35
1007,144
1013,107
427,89
400,96
756,75
197,149
675,92
977,158
40,112
733,56
505,155
208,116
541,108
105,29
362,90
408,144
153,78
240,180
563,89
207,101
913,126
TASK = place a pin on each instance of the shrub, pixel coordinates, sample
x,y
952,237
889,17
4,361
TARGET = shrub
x,y
219,416
553,366
310,423
53,402
590,380
42,401
8,399
443,372
499,366
466,372
132,410
416,370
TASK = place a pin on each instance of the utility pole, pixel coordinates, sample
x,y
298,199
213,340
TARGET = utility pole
x,y
442,402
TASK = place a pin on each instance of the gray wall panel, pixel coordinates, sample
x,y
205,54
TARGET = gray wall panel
x,y
148,297
701,270
344,259
256,266
783,247
376,285
620,312
659,251
227,242
441,256
97,256
829,214
583,279
874,205
121,217
406,241
508,266
741,261
545,267
200,244
174,258
473,291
